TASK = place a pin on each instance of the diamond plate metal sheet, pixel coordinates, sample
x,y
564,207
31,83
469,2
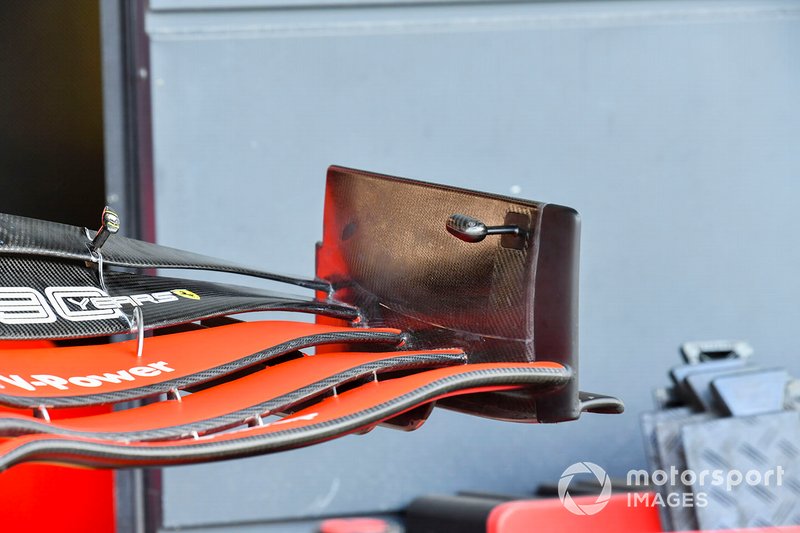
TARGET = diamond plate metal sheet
x,y
671,452
648,424
649,421
755,443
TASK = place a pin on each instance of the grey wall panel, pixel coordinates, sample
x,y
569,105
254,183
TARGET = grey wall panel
x,y
671,126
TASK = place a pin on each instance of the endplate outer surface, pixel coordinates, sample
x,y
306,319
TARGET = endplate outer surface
x,y
386,250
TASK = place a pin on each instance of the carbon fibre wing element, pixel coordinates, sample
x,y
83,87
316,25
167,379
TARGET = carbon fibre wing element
x,y
45,298
352,411
28,236
274,389
110,373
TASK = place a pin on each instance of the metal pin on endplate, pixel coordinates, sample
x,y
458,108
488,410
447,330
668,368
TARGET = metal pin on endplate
x,y
108,227
470,229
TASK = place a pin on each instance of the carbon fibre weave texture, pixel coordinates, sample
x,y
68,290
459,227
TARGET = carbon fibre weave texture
x,y
354,336
116,455
15,427
213,299
401,266
29,236
504,298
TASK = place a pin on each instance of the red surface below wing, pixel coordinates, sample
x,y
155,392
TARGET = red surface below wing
x,y
87,505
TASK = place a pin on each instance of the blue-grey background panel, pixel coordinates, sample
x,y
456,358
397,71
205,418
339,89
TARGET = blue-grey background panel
x,y
672,127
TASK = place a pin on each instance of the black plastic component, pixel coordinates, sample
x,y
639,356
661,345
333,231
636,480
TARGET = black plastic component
x,y
679,374
701,351
437,513
599,403
698,386
587,487
751,393
667,398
